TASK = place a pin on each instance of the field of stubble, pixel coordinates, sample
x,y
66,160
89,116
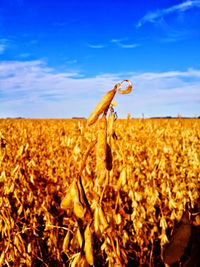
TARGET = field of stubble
x,y
154,178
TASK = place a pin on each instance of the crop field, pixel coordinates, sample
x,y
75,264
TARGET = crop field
x,y
59,208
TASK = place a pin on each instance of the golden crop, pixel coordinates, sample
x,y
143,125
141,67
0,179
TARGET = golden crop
x,y
53,211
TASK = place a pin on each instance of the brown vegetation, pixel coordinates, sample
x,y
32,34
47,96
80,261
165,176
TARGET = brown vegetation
x,y
125,221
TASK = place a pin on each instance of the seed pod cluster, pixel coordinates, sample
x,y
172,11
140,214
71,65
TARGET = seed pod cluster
x,y
104,104
74,199
100,222
122,179
108,158
101,148
67,202
111,120
66,241
101,107
88,247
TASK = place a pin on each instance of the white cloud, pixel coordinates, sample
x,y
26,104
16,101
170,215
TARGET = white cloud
x,y
119,42
71,61
32,89
180,8
171,35
24,55
3,45
170,74
2,48
128,45
116,40
96,46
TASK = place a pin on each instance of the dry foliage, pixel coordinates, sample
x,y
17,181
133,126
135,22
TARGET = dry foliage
x,y
126,221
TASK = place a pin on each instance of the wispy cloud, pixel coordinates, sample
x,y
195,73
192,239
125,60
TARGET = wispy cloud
x,y
128,45
2,48
71,61
120,43
32,89
3,45
192,73
24,55
171,36
160,13
96,46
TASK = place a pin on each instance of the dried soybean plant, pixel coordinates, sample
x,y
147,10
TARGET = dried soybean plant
x,y
91,221
136,219
105,130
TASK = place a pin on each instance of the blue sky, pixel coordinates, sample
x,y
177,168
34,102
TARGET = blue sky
x,y
58,58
